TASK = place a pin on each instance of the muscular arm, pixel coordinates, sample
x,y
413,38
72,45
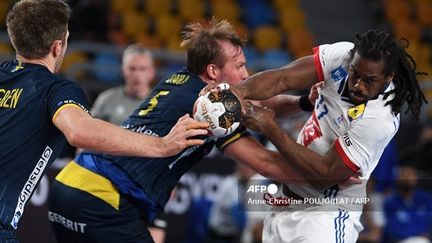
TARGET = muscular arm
x,y
270,164
83,131
297,75
283,105
319,171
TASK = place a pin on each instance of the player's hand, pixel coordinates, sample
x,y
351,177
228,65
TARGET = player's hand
x,y
352,180
257,118
180,135
313,93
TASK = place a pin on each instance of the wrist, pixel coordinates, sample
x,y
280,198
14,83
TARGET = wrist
x,y
161,147
271,130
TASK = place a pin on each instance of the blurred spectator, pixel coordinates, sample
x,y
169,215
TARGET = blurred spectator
x,y
382,182
386,170
408,211
115,104
229,217
372,218
420,156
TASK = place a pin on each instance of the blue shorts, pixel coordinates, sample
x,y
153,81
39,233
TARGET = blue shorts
x,y
76,215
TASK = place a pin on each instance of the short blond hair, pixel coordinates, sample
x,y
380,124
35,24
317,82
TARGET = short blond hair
x,y
202,43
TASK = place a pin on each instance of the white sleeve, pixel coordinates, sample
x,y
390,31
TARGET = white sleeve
x,y
362,146
329,58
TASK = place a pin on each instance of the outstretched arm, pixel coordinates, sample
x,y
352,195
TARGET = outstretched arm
x,y
83,131
299,74
284,105
270,164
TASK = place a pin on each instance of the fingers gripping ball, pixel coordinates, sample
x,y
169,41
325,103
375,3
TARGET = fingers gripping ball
x,y
220,108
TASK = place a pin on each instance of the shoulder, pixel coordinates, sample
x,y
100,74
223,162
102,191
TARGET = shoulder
x,y
338,50
338,47
379,118
333,59
183,82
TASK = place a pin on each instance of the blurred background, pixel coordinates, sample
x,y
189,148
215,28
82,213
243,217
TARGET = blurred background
x,y
278,32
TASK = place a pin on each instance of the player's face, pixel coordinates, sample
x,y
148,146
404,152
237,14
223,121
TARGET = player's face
x,y
366,79
234,71
138,71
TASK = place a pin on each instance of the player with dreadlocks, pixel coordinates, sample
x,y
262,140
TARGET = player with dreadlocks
x,y
355,116
376,45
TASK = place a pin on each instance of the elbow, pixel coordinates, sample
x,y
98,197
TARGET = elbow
x,y
321,178
76,137
322,181
319,185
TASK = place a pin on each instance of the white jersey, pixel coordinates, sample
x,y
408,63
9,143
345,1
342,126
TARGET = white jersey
x,y
360,132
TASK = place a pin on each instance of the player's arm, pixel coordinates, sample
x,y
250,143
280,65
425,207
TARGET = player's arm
x,y
285,104
319,171
270,164
81,130
298,74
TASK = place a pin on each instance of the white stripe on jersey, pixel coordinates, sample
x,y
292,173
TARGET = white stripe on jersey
x,y
30,185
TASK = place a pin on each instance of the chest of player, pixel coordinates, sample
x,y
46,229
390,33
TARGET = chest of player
x,y
332,118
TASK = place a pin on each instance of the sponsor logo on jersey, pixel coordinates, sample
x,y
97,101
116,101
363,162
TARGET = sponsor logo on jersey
x,y
356,112
338,74
347,140
186,153
67,102
338,120
140,129
69,224
30,185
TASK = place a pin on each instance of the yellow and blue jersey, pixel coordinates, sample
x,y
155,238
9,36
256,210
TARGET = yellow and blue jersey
x,y
30,98
149,181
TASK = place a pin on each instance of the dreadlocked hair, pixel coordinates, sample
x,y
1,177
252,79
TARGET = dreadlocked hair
x,y
379,45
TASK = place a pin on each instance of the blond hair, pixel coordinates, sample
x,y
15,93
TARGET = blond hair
x,y
202,43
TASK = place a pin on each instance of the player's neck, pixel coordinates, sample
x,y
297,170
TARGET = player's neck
x,y
207,80
41,61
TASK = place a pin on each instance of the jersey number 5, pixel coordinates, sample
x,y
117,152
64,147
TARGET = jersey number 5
x,y
153,103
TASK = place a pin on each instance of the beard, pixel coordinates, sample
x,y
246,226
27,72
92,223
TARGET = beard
x,y
357,97
58,64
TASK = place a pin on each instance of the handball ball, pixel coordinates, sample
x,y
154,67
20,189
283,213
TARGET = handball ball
x,y
220,108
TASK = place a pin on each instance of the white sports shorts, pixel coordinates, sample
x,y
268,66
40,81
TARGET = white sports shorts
x,y
310,225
